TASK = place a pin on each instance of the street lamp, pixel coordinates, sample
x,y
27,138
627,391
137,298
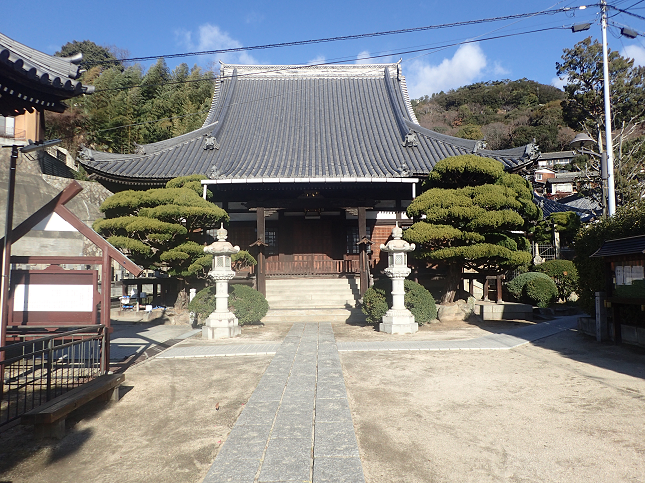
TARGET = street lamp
x,y
607,159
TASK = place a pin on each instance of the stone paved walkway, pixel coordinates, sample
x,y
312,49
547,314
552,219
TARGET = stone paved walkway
x,y
130,339
297,425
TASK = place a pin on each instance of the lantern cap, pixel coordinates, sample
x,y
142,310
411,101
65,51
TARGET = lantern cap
x,y
397,244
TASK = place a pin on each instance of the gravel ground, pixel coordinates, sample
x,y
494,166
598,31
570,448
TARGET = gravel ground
x,y
563,409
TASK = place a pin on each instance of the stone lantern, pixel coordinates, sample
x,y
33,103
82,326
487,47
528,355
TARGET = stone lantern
x,y
398,320
222,323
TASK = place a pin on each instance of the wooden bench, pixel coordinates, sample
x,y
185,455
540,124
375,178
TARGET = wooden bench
x,y
49,418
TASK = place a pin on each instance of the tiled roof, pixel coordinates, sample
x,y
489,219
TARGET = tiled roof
x,y
301,122
557,155
31,79
550,206
633,245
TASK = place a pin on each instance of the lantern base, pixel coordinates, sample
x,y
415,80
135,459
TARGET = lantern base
x,y
398,322
221,326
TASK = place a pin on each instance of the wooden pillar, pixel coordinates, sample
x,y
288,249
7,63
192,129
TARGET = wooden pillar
x,y
486,289
363,265
261,272
471,286
106,285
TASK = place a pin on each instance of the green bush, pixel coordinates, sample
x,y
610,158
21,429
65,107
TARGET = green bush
x,y
374,305
203,303
247,304
563,273
516,286
418,300
241,260
540,291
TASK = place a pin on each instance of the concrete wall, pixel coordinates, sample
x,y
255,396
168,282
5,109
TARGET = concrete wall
x,y
33,190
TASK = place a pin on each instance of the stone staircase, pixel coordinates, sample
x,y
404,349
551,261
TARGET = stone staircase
x,y
313,300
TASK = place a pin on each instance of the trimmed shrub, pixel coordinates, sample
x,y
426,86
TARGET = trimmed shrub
x,y
540,291
241,260
203,303
516,286
247,304
563,273
418,300
374,305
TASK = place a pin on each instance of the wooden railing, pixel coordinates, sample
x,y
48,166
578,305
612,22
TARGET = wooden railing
x,y
311,267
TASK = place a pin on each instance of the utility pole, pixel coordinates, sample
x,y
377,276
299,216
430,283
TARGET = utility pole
x,y
611,193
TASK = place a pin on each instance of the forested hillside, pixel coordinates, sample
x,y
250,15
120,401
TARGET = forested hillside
x,y
505,113
131,105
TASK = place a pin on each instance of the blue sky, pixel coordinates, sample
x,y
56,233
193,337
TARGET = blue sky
x,y
146,28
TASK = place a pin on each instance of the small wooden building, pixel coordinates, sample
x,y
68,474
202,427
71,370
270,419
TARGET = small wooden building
x,y
311,162
625,288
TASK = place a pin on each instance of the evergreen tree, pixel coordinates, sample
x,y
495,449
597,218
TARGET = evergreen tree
x,y
162,228
93,54
475,217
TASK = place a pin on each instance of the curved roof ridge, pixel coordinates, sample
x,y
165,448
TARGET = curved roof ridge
x,y
214,101
406,97
154,148
306,70
445,138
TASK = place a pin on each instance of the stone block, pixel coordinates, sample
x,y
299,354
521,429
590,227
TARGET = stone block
x,y
221,326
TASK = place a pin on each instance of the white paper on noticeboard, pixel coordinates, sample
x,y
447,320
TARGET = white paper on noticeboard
x,y
53,298
620,279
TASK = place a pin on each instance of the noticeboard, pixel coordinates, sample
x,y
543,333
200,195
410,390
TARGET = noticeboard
x,y
53,296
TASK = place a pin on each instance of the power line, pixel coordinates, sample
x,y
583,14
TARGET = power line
x,y
347,37
345,60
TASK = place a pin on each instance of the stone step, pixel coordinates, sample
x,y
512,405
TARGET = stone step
x,y
316,303
312,293
313,315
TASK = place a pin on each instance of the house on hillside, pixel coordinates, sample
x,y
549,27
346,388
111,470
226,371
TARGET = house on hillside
x,y
555,159
311,162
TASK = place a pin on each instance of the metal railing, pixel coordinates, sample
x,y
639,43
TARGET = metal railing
x,y
42,367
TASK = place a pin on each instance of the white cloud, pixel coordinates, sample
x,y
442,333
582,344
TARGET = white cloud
x,y
363,57
464,68
559,82
211,37
500,70
635,52
317,60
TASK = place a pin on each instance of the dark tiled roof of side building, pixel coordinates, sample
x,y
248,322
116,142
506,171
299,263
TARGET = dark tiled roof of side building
x,y
30,79
269,122
632,245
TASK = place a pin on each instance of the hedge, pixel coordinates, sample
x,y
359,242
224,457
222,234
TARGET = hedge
x,y
418,300
516,286
540,291
563,273
247,304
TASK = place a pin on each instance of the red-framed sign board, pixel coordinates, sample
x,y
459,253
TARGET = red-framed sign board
x,y
53,296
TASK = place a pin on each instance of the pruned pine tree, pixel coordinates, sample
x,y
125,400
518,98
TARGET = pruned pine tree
x,y
472,215
163,228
